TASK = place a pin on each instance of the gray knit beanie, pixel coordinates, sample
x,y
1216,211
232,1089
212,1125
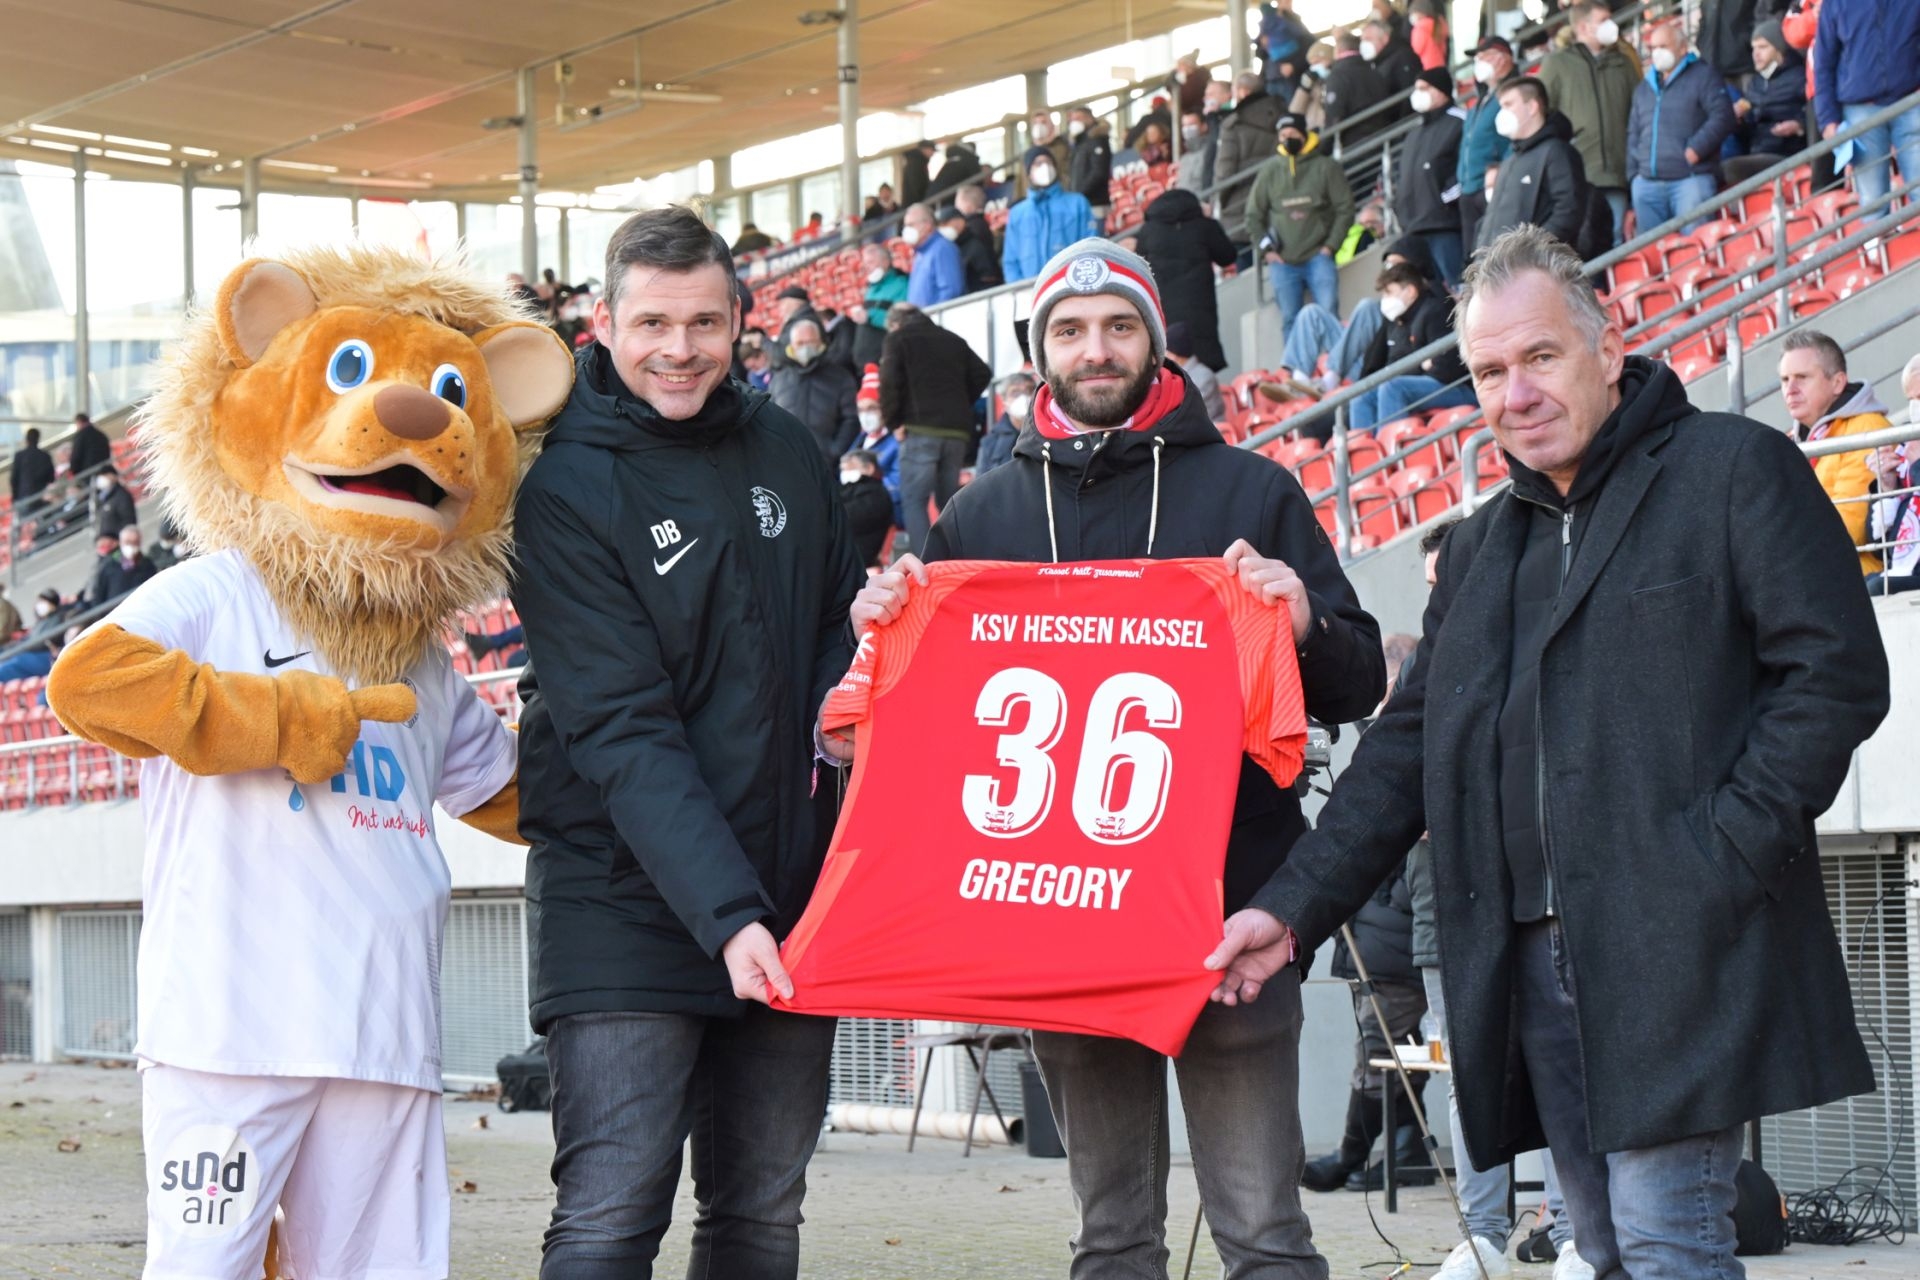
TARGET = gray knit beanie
x,y
1096,266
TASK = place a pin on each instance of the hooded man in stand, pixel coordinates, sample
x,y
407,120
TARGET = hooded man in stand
x,y
1113,426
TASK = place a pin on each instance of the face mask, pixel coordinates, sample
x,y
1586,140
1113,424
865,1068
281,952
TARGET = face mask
x,y
1506,124
804,355
1043,134
1663,60
1392,306
1075,128
876,275
1607,33
849,475
1017,406
951,233
1483,71
870,421
910,234
1369,51
102,485
41,609
1179,77
1191,134
1421,101
1292,144
1042,175
1322,70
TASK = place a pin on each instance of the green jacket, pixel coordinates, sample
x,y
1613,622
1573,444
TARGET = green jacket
x,y
1302,202
1596,96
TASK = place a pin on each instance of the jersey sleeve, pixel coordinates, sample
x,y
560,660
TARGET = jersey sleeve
x,y
1276,706
481,752
884,652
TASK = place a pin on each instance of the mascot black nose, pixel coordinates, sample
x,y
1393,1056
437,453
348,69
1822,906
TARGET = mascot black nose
x,y
411,413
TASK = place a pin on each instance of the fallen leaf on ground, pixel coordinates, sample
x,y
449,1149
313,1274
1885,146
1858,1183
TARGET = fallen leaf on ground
x,y
68,1145
480,1122
893,1239
468,1187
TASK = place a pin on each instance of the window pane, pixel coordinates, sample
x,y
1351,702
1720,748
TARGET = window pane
x,y
135,286
36,295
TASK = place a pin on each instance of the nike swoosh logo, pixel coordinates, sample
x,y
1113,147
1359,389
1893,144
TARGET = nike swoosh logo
x,y
273,662
672,560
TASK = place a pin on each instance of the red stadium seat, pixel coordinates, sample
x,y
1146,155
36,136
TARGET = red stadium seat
x,y
1756,323
1376,511
1808,301
1902,249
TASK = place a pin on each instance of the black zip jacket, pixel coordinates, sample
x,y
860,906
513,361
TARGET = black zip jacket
x,y
1541,181
684,588
1183,245
1430,320
1429,163
1350,88
930,377
1210,495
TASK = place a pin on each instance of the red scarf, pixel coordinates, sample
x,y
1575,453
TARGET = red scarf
x,y
1163,397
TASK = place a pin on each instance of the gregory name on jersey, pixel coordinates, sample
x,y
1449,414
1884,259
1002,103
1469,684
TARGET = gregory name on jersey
x,y
1068,628
1042,884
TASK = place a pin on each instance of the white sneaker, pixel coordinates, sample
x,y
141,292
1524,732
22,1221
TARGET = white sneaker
x,y
1459,1264
1569,1266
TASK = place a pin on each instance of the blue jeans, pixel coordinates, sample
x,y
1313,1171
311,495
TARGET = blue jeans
x,y
629,1088
1871,150
1483,1192
1655,1213
1449,256
1617,204
1655,199
1289,282
1240,1086
1410,393
1317,332
31,665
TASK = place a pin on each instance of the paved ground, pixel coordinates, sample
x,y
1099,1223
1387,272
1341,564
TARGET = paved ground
x,y
875,1213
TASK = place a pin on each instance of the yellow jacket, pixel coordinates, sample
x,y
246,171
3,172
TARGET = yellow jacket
x,y
1848,475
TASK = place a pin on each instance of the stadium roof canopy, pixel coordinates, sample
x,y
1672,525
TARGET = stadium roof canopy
x,y
422,94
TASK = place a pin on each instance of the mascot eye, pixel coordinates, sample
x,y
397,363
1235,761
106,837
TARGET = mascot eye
x,y
450,385
350,366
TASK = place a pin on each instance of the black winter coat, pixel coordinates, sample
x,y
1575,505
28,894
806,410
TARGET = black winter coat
x,y
1777,99
684,587
961,167
89,449
869,515
914,181
1398,66
115,513
1429,163
1092,164
977,258
114,577
1350,88
33,470
1726,36
1541,181
821,395
1210,494
1429,320
1183,245
1248,138
1704,680
930,377
1383,926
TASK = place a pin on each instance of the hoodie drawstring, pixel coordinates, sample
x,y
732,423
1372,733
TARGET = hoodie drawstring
x,y
1153,513
1046,483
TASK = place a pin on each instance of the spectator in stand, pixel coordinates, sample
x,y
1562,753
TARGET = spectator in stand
x,y
1824,405
1310,98
962,166
818,391
116,575
32,472
929,381
1246,143
979,268
113,503
752,240
1592,82
1352,87
89,448
10,625
1429,34
840,333
1318,332
1016,407
43,639
1297,217
1681,115
868,505
1218,98
1391,15
167,549
810,230
1426,189
1802,25
1895,522
1369,225
1139,133
1048,220
938,275
877,440
1044,135
1772,108
971,200
755,361
1542,182
1392,59
1187,83
1196,151
1867,59
1283,43
886,285
914,178
1482,146
1091,145
1726,36
1184,246
1180,355
1416,314
882,206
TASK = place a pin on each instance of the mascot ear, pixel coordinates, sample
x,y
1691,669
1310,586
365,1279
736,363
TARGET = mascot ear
x,y
531,369
258,299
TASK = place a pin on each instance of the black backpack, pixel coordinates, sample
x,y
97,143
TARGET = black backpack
x,y
1759,1212
525,1083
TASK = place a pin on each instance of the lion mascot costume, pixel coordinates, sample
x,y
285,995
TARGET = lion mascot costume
x,y
339,436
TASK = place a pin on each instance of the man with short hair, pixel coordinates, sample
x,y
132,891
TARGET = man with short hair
x,y
915,178
1772,106
1120,461
1298,216
1542,181
1416,316
938,273
1824,405
113,503
882,205
1864,53
1681,115
1246,142
1482,145
886,285
1016,401
929,381
980,268
1592,82
1391,58
1090,158
117,574
1353,86
1049,219
1042,135
89,449
1631,701
683,572
1196,147
31,473
818,391
1426,188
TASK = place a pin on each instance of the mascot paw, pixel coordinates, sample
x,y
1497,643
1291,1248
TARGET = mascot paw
x,y
320,721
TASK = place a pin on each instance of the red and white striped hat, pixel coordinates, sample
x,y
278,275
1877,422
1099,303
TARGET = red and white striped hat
x,y
869,385
1096,266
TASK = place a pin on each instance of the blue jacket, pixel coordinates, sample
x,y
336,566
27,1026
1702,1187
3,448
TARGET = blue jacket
x,y
1864,52
1481,146
938,274
1690,110
1047,221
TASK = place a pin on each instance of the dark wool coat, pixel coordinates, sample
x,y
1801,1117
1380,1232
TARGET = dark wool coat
x,y
1705,677
1183,245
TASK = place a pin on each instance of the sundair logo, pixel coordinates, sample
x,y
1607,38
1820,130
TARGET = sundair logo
x,y
373,772
206,1181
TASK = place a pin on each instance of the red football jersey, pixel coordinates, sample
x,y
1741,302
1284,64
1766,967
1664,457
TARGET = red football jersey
x,y
1047,758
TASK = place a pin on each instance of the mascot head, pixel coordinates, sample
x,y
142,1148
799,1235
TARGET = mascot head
x,y
354,421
